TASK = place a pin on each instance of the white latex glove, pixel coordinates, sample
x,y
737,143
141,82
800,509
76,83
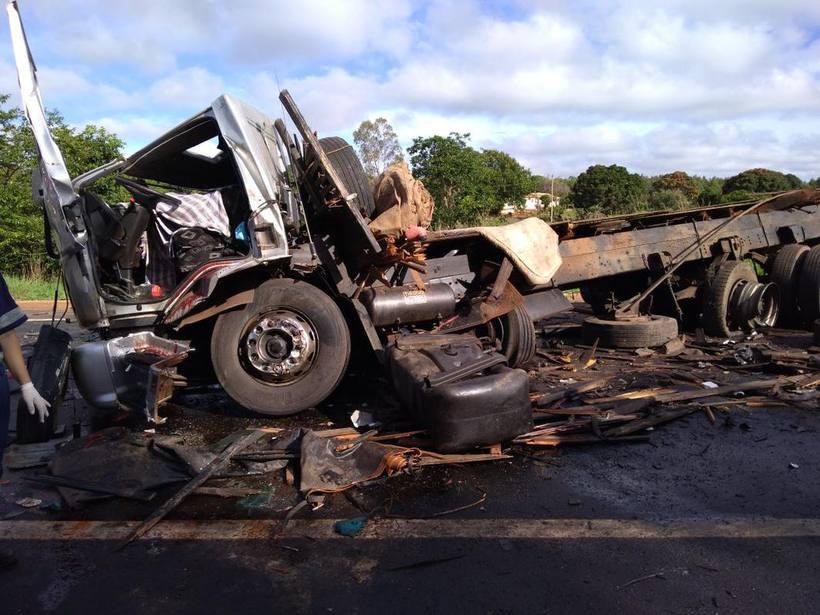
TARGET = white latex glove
x,y
34,401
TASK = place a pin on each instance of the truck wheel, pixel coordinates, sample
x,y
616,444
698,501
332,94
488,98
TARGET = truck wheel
x,y
785,272
285,352
717,316
515,332
639,332
518,345
351,171
808,294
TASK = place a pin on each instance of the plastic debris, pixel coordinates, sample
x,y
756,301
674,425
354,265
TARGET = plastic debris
x,y
363,418
350,527
29,502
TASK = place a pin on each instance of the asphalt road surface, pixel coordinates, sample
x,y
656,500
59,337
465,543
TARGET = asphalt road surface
x,y
702,519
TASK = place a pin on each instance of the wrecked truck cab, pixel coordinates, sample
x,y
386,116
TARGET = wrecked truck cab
x,y
216,173
256,252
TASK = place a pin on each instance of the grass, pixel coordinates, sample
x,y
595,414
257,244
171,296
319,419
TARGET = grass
x,y
30,288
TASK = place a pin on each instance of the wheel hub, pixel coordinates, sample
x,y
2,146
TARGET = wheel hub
x,y
280,346
754,303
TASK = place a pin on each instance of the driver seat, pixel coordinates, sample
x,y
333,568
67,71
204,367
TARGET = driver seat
x,y
117,232
106,227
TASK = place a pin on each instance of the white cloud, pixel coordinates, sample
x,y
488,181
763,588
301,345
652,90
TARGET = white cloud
x,y
194,86
61,85
136,131
710,87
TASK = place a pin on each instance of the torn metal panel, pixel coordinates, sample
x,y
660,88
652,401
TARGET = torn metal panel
x,y
52,186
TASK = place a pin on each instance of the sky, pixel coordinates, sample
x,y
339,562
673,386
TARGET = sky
x,y
708,87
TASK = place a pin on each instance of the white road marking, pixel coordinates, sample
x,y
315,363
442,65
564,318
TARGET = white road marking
x,y
386,529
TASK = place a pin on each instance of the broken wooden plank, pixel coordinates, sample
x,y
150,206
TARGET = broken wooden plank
x,y
574,389
654,393
435,459
582,439
752,385
663,416
671,395
227,492
710,414
562,427
335,433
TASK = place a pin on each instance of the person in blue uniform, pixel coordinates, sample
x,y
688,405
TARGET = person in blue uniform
x,y
11,317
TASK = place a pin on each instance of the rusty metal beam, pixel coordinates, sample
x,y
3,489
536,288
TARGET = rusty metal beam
x,y
626,251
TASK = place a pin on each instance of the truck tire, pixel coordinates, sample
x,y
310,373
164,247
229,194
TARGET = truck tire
x,y
640,332
351,172
808,293
785,272
717,320
518,337
283,353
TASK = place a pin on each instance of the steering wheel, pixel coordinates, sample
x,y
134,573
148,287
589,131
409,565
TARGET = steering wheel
x,y
145,196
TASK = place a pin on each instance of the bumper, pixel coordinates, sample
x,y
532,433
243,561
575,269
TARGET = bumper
x,y
116,373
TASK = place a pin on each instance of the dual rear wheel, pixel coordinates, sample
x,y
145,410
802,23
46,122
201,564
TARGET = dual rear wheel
x,y
796,271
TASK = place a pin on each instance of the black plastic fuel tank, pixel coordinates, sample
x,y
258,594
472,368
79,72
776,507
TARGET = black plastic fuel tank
x,y
462,407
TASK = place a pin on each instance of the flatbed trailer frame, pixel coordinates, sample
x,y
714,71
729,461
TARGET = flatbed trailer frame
x,y
613,246
615,258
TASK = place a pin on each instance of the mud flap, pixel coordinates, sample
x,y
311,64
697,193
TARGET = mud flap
x,y
464,396
48,368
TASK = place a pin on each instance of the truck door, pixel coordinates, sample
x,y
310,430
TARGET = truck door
x,y
57,195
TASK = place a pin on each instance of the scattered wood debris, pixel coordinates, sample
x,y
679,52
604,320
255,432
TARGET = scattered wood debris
x,y
623,402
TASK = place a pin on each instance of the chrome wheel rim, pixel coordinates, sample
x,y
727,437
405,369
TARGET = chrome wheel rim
x,y
279,346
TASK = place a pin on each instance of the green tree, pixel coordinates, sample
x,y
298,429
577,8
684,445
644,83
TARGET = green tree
x,y
668,200
710,191
556,186
22,248
761,180
608,190
448,166
679,181
540,183
378,145
507,181
465,183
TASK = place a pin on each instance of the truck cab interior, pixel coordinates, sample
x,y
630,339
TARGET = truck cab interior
x,y
178,185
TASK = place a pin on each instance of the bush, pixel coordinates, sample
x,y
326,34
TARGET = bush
x,y
677,181
761,180
610,189
668,200
737,196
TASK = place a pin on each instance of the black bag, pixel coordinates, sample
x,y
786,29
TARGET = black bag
x,y
48,367
194,246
